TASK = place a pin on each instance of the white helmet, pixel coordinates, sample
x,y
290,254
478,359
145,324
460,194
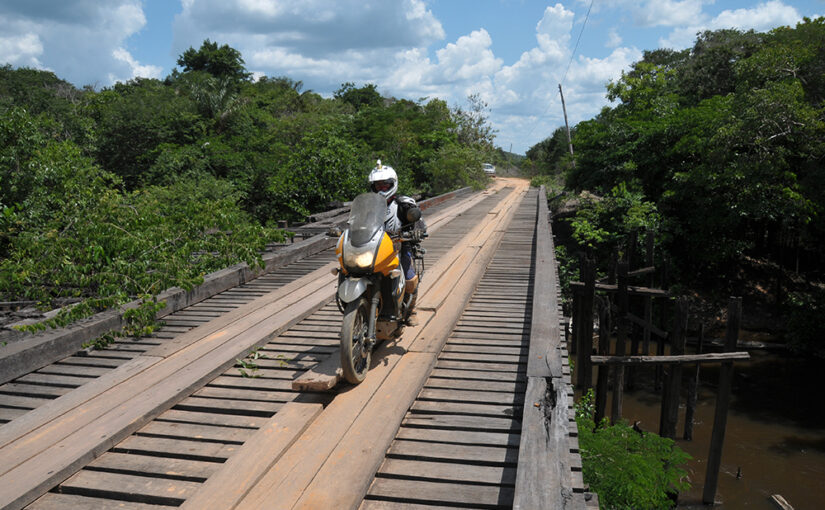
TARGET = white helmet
x,y
383,180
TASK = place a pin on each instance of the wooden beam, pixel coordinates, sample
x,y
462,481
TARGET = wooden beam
x,y
718,357
631,289
720,417
635,319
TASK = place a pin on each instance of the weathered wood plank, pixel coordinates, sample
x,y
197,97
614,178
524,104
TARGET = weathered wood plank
x,y
543,464
464,437
243,470
440,493
53,501
454,452
449,471
160,490
194,470
717,357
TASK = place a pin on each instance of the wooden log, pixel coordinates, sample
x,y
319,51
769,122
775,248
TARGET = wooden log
x,y
780,502
545,336
642,271
720,418
648,301
633,290
621,340
604,350
585,327
648,328
693,389
718,357
671,395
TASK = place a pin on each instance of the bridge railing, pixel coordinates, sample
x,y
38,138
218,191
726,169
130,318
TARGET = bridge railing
x,y
549,465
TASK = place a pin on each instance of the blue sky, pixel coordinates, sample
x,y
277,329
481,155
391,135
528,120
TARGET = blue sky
x,y
513,53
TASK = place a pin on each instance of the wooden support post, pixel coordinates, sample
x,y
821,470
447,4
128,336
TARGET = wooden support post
x,y
575,315
720,418
693,389
648,301
604,350
671,393
584,370
621,340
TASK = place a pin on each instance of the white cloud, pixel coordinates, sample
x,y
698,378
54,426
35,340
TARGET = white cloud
x,y
79,40
669,12
21,50
136,70
760,18
613,38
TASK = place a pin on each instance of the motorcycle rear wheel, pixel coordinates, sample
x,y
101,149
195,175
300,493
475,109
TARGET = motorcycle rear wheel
x,y
355,356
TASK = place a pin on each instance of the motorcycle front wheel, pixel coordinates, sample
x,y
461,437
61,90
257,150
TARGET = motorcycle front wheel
x,y
355,356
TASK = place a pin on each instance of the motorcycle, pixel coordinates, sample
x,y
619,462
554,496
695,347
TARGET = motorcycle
x,y
371,284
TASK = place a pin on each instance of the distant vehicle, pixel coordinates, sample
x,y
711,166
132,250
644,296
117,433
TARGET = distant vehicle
x,y
489,169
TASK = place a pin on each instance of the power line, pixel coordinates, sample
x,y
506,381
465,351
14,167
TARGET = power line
x,y
576,47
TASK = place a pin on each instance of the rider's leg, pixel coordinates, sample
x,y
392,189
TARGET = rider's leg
x,y
411,285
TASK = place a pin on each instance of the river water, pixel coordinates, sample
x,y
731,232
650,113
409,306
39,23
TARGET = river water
x,y
775,436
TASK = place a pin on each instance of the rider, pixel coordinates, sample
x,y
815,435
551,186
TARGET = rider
x,y
384,181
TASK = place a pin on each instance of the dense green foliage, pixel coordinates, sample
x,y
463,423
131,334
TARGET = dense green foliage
x,y
114,195
733,128
628,469
725,141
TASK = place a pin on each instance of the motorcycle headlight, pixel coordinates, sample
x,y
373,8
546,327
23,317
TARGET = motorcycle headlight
x,y
359,258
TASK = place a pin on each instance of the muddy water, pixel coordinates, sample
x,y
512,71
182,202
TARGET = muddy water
x,y
775,437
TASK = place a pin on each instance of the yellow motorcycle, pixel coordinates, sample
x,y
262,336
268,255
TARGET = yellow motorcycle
x,y
371,281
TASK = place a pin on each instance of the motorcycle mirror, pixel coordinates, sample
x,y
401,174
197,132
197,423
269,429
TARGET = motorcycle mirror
x,y
413,214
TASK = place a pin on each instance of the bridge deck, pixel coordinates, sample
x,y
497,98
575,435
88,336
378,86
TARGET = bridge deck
x,y
222,440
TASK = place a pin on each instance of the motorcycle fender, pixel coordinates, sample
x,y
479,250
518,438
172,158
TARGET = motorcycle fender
x,y
350,289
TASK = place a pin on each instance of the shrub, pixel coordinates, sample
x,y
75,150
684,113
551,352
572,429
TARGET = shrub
x,y
626,468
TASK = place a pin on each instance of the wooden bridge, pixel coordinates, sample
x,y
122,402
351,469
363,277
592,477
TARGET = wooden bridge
x,y
471,408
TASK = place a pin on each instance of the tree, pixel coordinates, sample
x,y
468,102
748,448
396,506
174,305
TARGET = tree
x,y
219,61
359,97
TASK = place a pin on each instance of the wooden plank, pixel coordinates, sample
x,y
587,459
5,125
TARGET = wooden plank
x,y
176,448
464,423
198,432
454,452
780,502
374,504
54,501
515,351
717,357
428,492
8,414
631,289
481,366
157,490
471,374
470,396
218,405
465,437
469,408
193,470
242,471
38,391
448,471
23,402
475,385
543,463
224,420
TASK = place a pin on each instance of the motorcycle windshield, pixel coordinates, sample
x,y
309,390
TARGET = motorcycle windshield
x,y
366,217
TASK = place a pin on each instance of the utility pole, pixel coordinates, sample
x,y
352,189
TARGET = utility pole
x,y
567,126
